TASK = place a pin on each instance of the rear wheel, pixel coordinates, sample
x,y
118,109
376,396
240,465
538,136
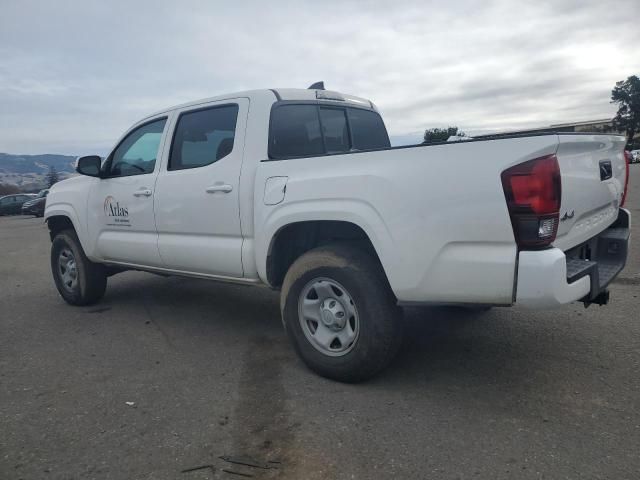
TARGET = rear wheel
x,y
79,280
340,313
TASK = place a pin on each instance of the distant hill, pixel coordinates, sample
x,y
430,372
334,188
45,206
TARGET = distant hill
x,y
28,172
35,163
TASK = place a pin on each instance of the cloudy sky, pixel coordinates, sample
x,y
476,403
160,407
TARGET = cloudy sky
x,y
75,74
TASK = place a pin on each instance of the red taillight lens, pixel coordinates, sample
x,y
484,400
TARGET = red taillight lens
x,y
627,159
533,191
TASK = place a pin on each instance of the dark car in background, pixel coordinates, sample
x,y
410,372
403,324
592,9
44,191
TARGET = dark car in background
x,y
36,205
12,204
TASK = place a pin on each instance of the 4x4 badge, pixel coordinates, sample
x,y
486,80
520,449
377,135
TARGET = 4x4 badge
x,y
567,216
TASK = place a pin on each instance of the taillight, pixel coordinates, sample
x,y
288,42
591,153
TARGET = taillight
x,y
533,190
627,161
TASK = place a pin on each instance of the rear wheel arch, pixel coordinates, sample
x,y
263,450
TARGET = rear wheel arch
x,y
293,240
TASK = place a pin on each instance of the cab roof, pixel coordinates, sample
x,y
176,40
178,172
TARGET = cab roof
x,y
277,94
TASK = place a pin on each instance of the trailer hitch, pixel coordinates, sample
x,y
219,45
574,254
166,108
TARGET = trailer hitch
x,y
601,299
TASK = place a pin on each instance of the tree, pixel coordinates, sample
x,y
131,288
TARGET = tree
x,y
626,94
52,176
435,135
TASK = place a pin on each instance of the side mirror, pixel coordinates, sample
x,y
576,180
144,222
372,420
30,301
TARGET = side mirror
x,y
89,165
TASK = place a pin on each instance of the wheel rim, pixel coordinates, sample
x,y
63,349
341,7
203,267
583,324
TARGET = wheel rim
x,y
68,270
328,317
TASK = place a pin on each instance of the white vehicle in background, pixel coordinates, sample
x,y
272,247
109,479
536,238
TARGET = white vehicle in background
x,y
635,156
301,191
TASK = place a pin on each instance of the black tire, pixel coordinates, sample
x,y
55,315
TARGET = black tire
x,y
90,278
379,318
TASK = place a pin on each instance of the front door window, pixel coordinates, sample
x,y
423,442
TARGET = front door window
x,y
136,154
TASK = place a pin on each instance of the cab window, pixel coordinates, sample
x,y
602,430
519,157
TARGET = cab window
x,y
136,154
367,129
307,130
335,130
295,132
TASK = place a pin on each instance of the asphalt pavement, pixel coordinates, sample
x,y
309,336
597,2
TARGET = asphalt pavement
x,y
172,378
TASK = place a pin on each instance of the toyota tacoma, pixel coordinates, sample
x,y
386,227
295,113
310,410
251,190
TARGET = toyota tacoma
x,y
301,191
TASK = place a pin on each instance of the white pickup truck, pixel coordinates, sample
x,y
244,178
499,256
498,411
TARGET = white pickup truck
x,y
301,191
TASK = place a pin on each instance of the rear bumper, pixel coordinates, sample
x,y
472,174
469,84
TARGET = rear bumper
x,y
550,278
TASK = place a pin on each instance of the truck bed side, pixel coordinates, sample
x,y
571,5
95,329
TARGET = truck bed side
x,y
436,215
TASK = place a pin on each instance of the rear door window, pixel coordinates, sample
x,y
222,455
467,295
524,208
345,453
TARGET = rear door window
x,y
203,137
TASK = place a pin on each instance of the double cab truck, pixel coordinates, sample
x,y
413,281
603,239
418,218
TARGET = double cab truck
x,y
301,191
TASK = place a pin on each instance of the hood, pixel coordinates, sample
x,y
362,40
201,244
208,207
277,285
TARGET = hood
x,y
70,183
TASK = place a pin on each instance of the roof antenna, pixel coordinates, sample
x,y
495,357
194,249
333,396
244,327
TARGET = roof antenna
x,y
317,86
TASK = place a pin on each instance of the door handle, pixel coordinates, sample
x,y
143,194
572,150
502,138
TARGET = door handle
x,y
143,192
223,187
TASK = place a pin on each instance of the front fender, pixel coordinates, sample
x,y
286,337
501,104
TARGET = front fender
x,y
67,210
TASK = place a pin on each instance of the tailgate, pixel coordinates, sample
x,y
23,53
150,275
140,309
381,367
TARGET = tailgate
x,y
593,173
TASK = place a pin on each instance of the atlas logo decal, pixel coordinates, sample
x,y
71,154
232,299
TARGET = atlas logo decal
x,y
112,208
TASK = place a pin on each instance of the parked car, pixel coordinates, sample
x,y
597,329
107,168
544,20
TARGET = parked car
x,y
36,205
12,204
635,156
301,191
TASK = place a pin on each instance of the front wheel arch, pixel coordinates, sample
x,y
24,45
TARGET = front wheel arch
x,y
59,223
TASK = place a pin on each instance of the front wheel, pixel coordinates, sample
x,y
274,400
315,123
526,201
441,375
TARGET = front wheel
x,y
78,279
340,313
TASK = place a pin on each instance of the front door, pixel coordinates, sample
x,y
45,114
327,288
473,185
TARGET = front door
x,y
121,222
197,205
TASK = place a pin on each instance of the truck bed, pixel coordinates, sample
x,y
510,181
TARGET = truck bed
x,y
436,213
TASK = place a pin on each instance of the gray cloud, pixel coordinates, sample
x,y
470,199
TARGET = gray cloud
x,y
74,75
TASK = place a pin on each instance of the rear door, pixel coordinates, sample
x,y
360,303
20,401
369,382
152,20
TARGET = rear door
x,y
593,171
197,204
